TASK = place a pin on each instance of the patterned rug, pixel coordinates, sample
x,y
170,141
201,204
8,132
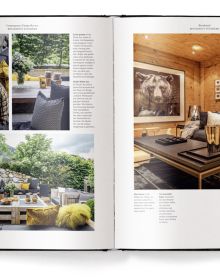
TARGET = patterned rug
x,y
159,175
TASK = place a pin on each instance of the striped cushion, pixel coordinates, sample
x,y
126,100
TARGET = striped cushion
x,y
189,129
47,113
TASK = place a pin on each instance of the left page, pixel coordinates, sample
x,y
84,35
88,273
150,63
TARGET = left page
x,y
56,138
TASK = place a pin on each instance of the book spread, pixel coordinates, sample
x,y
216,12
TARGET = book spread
x,y
109,133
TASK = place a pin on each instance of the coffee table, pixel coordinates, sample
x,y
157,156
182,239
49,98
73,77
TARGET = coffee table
x,y
16,211
169,155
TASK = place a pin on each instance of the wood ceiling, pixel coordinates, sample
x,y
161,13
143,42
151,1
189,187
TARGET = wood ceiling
x,y
181,44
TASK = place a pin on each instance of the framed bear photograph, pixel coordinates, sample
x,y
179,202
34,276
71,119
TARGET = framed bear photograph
x,y
158,93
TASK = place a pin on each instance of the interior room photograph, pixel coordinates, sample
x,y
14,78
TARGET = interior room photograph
x,y
176,111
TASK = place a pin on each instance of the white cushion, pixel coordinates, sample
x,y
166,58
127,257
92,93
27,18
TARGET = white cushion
x,y
54,193
18,185
213,119
60,189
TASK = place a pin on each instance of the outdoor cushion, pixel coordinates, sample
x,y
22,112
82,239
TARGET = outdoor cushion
x,y
18,185
34,182
73,215
47,113
58,91
42,216
25,186
54,192
44,190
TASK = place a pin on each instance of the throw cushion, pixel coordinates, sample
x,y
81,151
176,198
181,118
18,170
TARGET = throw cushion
x,y
34,183
18,185
190,128
213,119
54,193
47,113
60,91
73,215
203,119
3,105
42,216
61,189
25,186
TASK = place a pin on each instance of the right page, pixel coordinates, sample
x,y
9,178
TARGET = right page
x,y
167,133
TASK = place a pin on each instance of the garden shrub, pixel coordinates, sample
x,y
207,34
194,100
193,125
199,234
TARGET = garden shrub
x,y
91,204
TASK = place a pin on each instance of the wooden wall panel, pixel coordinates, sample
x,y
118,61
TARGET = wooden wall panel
x,y
211,73
190,67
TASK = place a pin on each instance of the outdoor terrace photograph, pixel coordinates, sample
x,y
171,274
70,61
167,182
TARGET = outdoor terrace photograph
x,y
46,181
40,82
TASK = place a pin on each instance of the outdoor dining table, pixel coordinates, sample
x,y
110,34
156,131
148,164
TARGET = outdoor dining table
x,y
27,93
16,211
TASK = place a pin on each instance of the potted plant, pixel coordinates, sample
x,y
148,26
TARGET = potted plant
x,y
10,188
21,65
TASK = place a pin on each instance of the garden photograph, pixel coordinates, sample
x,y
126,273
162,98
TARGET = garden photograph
x,y
40,82
47,181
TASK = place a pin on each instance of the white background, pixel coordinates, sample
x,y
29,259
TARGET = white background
x,y
110,265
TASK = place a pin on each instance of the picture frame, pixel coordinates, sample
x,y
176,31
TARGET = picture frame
x,y
159,93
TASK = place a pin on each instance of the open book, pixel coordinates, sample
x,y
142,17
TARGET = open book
x,y
110,133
